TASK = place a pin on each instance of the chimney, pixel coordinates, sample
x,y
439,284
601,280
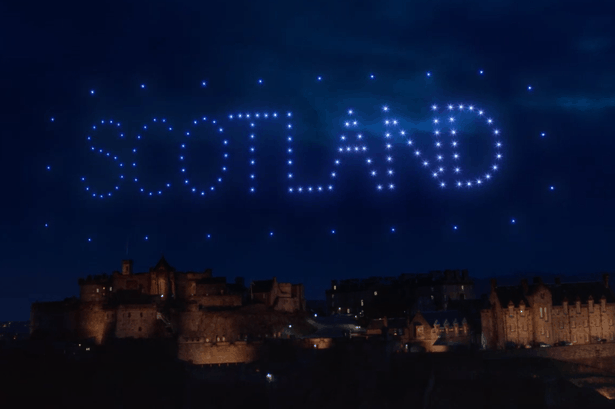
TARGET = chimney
x,y
605,278
525,285
537,280
126,267
494,284
558,281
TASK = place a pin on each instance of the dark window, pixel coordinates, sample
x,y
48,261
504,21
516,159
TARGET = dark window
x,y
129,315
139,329
141,315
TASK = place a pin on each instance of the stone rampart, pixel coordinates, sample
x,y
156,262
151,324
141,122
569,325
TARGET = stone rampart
x,y
202,351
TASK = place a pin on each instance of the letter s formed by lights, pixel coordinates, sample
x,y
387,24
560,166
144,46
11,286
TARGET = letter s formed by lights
x,y
440,155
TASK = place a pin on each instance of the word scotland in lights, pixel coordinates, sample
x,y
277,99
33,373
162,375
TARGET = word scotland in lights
x,y
440,155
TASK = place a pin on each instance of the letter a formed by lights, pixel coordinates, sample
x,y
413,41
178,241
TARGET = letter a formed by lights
x,y
440,155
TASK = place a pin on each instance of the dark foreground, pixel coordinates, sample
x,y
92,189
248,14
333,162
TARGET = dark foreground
x,y
145,375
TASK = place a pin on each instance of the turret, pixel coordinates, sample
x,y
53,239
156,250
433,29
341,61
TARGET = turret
x,y
126,267
605,279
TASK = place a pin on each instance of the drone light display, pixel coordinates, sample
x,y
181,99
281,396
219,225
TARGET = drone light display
x,y
440,155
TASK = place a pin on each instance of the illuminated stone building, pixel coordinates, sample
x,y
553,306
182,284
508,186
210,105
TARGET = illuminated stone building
x,y
539,313
399,296
434,331
213,321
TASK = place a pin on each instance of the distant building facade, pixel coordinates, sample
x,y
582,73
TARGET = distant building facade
x,y
529,314
212,320
399,296
434,331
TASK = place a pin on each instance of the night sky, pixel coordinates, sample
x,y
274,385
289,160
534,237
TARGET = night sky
x,y
541,70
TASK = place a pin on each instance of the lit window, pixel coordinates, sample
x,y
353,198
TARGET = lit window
x,y
461,288
375,292
347,310
98,290
335,287
540,312
361,303
110,288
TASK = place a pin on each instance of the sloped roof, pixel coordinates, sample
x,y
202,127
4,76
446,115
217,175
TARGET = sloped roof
x,y
442,316
163,265
262,286
511,293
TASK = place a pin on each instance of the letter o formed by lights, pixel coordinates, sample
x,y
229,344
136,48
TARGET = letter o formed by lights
x,y
440,155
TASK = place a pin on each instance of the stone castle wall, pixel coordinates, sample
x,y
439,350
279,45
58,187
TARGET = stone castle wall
x,y
136,321
94,322
228,300
198,351
56,318
254,321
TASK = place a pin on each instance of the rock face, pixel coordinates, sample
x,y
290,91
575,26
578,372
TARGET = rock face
x,y
212,320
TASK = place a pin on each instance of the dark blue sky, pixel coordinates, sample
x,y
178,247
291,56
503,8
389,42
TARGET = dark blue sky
x,y
55,54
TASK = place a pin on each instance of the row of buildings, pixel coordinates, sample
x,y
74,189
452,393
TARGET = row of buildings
x,y
215,321
439,310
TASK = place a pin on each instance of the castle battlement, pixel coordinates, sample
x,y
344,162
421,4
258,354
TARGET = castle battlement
x,y
207,313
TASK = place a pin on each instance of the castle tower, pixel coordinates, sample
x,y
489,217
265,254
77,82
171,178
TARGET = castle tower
x,y
126,267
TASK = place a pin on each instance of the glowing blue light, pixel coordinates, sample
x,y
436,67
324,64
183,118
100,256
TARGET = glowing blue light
x,y
393,229
332,231
46,225
260,81
319,78
371,76
209,236
454,227
92,92
142,86
204,83
48,167
513,221
429,74
89,239
271,233
529,87
552,188
543,134
146,238
53,119
481,72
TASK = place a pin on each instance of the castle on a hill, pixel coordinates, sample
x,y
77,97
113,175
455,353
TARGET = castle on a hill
x,y
212,320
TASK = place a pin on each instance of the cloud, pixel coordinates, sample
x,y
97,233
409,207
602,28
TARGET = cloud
x,y
584,104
